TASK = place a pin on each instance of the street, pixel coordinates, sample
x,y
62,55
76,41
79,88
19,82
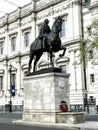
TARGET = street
x,y
8,126
91,117
7,118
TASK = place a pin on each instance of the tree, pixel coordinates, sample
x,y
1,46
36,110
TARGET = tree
x,y
89,44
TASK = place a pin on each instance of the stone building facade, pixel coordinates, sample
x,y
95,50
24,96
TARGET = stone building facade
x,y
19,28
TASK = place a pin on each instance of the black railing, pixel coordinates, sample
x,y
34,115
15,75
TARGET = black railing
x,y
89,101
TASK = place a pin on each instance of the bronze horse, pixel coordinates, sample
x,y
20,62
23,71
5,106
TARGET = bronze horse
x,y
52,38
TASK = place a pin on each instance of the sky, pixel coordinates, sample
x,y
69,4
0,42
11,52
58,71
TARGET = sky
x,y
7,6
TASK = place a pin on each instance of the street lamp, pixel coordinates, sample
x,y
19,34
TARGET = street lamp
x,y
10,102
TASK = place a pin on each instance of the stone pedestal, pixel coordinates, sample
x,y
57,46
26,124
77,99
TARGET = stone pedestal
x,y
42,96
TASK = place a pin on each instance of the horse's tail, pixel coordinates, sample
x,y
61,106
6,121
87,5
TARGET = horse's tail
x,y
32,48
30,53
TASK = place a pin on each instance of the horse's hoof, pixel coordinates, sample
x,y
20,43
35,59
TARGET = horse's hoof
x,y
28,73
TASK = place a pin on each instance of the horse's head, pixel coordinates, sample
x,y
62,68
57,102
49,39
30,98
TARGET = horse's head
x,y
57,25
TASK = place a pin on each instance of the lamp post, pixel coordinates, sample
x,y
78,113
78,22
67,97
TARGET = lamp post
x,y
10,102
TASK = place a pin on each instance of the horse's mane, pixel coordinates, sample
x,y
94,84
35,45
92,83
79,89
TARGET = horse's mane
x,y
54,23
59,18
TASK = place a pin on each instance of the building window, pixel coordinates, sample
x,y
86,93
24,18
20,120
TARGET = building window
x,y
92,100
13,43
63,67
1,82
86,1
13,79
92,79
1,48
62,33
27,39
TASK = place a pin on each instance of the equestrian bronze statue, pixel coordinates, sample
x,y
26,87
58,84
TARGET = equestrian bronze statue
x,y
47,42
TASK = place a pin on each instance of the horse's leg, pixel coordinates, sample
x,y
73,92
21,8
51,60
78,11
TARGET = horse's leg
x,y
64,50
51,58
30,61
37,59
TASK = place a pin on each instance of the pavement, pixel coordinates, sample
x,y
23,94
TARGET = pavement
x,y
88,125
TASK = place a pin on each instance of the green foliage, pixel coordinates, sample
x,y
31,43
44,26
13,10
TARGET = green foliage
x,y
90,42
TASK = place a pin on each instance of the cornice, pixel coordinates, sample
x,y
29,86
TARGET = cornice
x,y
72,42
42,4
34,8
17,55
6,58
3,21
27,10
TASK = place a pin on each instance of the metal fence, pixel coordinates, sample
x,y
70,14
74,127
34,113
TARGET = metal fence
x,y
88,109
15,108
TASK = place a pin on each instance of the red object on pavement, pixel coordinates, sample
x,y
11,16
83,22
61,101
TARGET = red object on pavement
x,y
63,108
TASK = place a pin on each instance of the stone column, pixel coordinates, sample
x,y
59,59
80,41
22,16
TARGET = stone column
x,y
5,76
18,75
33,33
19,31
